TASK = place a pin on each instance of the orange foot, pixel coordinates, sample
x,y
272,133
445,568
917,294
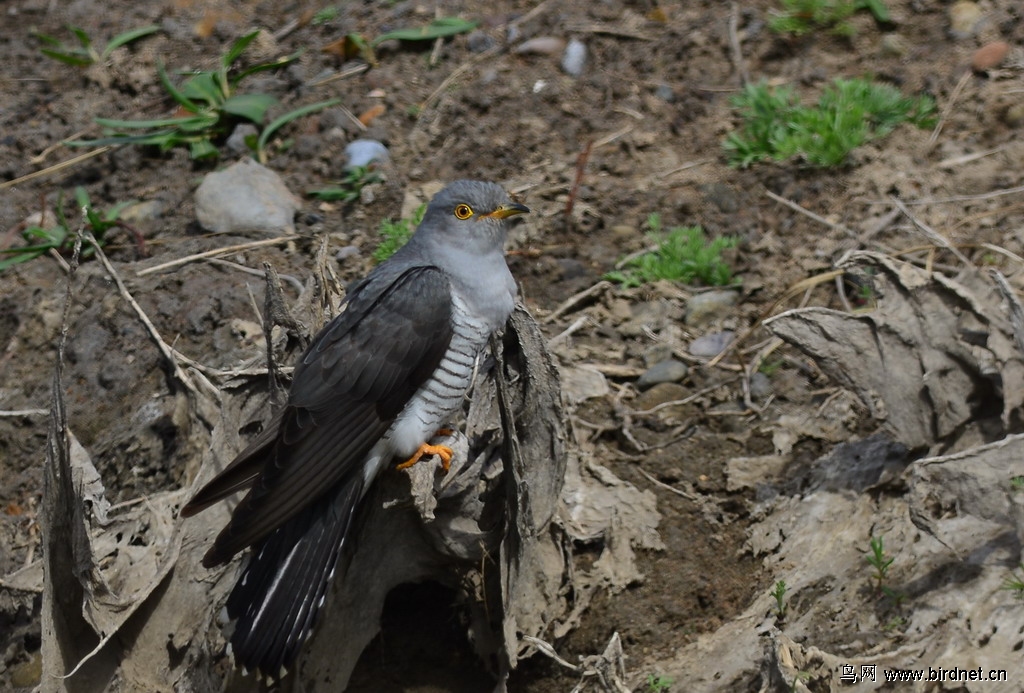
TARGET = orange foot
x,y
442,451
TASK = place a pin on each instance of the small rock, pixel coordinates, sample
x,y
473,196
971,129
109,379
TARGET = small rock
x,y
365,152
989,56
893,45
722,196
1013,116
660,394
708,306
760,386
581,383
574,58
657,353
236,141
670,371
711,345
142,211
479,42
665,93
245,197
346,252
541,45
964,18
650,315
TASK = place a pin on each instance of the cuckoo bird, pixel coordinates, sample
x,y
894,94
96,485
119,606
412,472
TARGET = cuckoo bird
x,y
375,385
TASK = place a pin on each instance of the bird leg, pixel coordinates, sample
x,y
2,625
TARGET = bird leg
x,y
442,451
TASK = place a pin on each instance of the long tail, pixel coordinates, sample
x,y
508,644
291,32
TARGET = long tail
x,y
276,600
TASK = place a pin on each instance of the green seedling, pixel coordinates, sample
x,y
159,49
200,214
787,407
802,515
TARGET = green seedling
x,y
779,592
85,53
209,106
395,234
800,17
357,45
59,237
879,561
1015,583
325,15
1017,482
658,683
849,113
683,254
348,187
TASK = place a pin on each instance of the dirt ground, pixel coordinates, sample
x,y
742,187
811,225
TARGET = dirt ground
x,y
652,107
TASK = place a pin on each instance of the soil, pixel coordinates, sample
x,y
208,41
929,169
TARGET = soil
x,y
639,131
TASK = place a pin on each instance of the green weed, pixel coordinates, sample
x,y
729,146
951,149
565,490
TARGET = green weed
x,y
848,114
85,54
395,234
800,17
1014,583
348,188
683,254
60,237
658,683
879,561
210,106
779,592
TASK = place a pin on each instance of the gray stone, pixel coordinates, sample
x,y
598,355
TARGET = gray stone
x,y
236,141
706,307
711,345
245,198
670,371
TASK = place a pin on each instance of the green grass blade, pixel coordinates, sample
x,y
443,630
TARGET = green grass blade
x,y
67,58
237,48
283,120
83,37
128,37
249,106
175,93
204,87
439,28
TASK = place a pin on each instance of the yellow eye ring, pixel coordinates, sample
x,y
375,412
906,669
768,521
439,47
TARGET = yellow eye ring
x,y
463,212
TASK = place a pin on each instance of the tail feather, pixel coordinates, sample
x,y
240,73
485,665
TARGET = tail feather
x,y
276,601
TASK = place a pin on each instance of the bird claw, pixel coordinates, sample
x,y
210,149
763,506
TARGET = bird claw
x,y
442,451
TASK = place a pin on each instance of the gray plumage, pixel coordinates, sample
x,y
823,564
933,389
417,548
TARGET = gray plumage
x,y
376,383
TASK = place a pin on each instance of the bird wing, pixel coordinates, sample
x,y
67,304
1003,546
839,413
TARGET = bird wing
x,y
356,377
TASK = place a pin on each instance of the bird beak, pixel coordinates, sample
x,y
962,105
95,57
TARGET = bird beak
x,y
505,211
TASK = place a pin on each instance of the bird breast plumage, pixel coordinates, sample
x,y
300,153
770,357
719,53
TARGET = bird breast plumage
x,y
441,396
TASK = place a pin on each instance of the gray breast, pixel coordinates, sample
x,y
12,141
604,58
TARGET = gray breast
x,y
441,396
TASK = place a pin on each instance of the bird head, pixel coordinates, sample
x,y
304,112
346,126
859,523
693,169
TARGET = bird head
x,y
472,214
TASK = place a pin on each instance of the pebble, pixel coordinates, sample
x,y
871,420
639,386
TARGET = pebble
x,y
541,45
964,18
760,386
1014,115
142,211
708,306
236,141
365,152
893,45
479,42
670,371
243,198
574,58
989,56
660,394
345,252
711,345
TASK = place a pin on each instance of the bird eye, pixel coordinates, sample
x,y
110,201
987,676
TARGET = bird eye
x,y
463,212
